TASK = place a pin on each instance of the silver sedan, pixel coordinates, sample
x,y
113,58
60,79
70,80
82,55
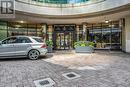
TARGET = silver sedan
x,y
22,46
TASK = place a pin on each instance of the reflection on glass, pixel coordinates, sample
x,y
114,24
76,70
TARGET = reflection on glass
x,y
116,38
27,29
32,30
106,38
105,35
41,31
60,1
64,40
17,29
60,41
3,30
97,33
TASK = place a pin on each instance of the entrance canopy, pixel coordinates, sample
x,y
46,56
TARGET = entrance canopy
x,y
61,1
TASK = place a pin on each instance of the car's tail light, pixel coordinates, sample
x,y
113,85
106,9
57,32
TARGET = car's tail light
x,y
44,46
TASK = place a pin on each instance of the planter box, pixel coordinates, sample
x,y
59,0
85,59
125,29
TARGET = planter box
x,y
85,49
50,49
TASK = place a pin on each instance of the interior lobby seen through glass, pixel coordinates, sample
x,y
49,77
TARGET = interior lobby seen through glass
x,y
61,1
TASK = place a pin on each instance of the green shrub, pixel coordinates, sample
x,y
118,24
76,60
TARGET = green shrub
x,y
49,43
83,44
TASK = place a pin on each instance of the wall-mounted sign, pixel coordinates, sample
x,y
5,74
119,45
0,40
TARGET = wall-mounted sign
x,y
7,8
64,28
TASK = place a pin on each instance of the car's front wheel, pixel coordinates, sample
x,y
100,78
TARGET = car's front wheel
x,y
33,54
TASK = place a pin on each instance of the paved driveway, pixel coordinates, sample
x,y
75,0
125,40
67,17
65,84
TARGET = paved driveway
x,y
100,69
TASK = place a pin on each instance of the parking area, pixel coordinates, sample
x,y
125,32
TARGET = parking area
x,y
100,69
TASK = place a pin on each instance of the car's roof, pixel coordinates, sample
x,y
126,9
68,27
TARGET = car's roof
x,y
26,36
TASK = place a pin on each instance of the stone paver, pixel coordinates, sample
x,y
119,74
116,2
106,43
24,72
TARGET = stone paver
x,y
100,69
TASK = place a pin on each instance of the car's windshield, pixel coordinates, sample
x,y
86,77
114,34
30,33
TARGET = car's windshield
x,y
38,40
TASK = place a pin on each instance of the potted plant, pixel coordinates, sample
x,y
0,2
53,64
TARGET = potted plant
x,y
42,34
49,44
84,47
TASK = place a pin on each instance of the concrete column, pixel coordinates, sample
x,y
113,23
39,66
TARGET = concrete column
x,y
77,30
50,30
122,26
126,35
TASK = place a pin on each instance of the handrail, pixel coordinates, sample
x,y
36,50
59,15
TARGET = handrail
x,y
60,5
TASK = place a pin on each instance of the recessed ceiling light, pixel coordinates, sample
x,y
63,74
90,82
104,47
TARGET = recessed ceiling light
x,y
106,21
21,21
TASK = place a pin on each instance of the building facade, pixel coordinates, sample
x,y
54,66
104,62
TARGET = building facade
x,y
65,22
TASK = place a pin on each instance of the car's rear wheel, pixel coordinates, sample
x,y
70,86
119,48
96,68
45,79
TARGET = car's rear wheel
x,y
33,54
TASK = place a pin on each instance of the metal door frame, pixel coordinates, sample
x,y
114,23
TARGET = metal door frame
x,y
65,33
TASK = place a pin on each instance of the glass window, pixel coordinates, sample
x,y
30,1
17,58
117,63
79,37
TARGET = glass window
x,y
23,40
3,30
116,38
90,34
9,40
38,40
32,29
105,35
17,29
106,38
61,1
97,37
3,34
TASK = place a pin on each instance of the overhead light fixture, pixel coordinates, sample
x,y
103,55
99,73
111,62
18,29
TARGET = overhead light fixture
x,y
21,21
106,21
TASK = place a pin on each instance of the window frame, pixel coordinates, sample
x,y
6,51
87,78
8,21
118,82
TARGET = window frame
x,y
27,40
7,42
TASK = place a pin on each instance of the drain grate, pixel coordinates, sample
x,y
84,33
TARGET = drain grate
x,y
71,75
44,82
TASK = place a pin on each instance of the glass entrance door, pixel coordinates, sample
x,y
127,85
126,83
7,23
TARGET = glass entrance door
x,y
64,40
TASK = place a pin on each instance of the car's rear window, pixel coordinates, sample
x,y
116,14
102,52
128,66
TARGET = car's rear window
x,y
38,40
